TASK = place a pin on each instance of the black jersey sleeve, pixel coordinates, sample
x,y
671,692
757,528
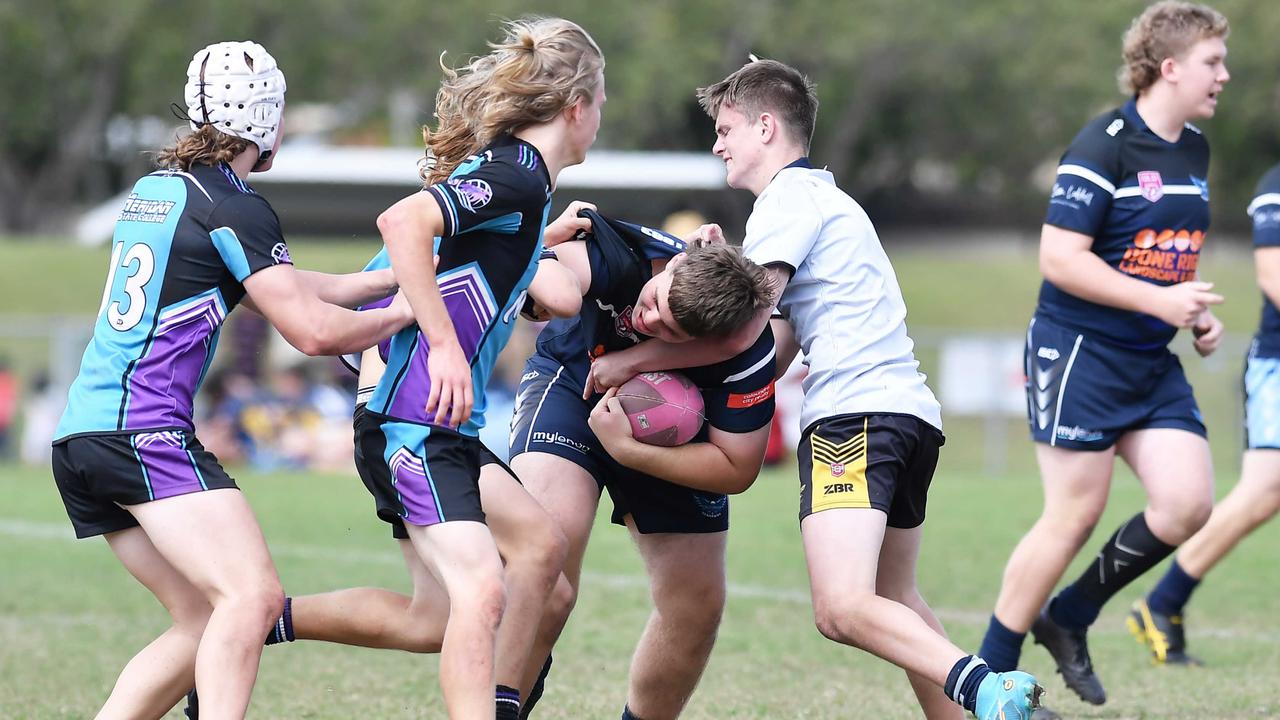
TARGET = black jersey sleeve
x,y
489,193
1087,176
740,398
246,232
1265,210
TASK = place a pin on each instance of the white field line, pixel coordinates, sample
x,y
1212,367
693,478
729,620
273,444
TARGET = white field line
x,y
28,529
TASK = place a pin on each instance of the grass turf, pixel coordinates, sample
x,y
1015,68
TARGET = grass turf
x,y
70,616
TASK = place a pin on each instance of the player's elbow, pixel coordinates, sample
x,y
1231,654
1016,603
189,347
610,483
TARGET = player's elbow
x,y
563,304
1054,266
393,223
740,479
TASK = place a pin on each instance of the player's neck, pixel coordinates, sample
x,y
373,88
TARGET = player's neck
x,y
777,163
244,163
549,141
1158,109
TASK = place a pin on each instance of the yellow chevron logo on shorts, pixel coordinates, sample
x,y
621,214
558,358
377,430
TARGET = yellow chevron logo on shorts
x,y
839,473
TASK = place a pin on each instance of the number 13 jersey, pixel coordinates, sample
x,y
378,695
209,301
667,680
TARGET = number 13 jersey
x,y
184,243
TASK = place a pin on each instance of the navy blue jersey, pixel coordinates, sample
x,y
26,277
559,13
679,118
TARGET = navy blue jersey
x,y
495,207
1265,212
621,256
184,243
1145,203
738,392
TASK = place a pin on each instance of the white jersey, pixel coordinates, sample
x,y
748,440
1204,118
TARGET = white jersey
x,y
843,300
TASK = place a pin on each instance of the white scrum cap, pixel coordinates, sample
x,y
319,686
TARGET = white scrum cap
x,y
237,88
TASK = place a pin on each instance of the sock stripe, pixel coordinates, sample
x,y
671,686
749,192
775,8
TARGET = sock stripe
x,y
974,661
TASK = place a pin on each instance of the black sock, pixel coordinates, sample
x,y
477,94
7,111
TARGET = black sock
x,y
535,693
1001,647
627,714
508,703
1129,553
282,631
963,680
1172,592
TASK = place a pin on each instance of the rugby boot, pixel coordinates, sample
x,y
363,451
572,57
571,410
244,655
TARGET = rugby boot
x,y
1010,695
1070,652
192,710
1162,634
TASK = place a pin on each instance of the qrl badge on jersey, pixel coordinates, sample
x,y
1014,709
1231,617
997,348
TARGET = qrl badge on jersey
x,y
1151,185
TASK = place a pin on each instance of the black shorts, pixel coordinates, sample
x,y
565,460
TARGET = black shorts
x,y
869,461
96,474
447,471
551,417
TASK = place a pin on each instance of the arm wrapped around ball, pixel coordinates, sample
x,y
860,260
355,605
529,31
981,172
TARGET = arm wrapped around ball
x,y
726,463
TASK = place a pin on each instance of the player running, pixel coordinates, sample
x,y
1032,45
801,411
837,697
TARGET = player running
x,y
192,242
1157,620
872,428
1119,251
638,283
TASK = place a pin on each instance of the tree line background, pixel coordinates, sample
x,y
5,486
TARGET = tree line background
x,y
932,112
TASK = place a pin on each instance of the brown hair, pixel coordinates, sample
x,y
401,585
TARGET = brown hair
x,y
541,67
206,146
1165,30
767,86
716,290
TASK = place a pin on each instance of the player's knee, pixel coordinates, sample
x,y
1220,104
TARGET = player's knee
x,y
1182,521
840,619
1074,524
545,549
486,601
262,604
563,597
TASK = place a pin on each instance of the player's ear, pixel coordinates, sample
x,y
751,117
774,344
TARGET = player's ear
x,y
768,127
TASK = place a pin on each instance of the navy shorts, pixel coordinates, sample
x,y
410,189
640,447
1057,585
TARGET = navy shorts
x,y
96,474
869,461
551,417
1084,393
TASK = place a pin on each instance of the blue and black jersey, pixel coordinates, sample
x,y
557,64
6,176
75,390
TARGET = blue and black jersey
x,y
495,207
1265,213
621,256
184,243
1145,203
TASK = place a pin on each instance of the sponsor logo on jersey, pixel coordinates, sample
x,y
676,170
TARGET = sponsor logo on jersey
x,y
1048,353
528,376
1202,186
621,321
137,209
1116,126
472,192
1266,219
740,401
1151,184
280,253
1078,434
1168,256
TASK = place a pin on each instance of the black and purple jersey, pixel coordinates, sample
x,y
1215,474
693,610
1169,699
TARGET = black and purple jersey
x,y
1265,213
495,207
1145,203
184,243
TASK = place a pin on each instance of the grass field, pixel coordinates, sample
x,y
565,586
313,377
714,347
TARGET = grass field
x,y
70,617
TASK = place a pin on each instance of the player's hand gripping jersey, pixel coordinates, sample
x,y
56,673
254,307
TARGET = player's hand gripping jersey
x,y
1145,203
495,206
738,393
184,243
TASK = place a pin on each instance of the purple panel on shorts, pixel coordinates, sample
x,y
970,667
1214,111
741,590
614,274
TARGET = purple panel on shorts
x,y
414,486
170,470
163,384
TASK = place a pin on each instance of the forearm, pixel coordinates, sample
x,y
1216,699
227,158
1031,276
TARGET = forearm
x,y
350,290
1089,277
699,465
340,331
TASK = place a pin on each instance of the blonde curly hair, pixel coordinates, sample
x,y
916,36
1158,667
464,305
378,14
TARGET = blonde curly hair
x,y
1165,30
541,67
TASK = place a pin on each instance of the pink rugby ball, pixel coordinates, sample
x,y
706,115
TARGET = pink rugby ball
x,y
665,408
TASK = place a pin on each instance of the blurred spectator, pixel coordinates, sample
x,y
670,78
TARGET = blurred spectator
x,y
8,405
40,413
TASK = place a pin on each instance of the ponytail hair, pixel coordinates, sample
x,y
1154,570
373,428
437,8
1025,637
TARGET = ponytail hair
x,y
541,67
